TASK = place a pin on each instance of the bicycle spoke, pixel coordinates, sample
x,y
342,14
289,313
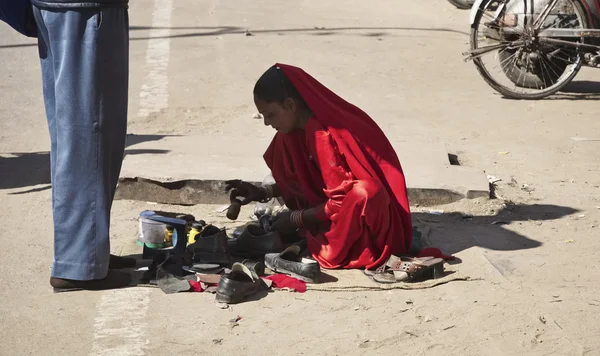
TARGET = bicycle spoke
x,y
512,57
548,65
542,18
543,76
552,65
486,49
515,59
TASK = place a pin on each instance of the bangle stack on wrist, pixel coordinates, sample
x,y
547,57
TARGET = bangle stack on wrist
x,y
297,219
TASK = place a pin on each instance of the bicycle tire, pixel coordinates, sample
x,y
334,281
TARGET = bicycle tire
x,y
502,89
461,4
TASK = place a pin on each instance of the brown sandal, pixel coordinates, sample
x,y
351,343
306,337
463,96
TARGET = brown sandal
x,y
401,269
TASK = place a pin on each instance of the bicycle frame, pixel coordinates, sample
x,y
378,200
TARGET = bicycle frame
x,y
591,7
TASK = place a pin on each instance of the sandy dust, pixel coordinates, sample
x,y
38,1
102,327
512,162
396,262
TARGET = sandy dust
x,y
530,252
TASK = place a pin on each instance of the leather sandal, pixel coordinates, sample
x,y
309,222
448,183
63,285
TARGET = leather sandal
x,y
402,269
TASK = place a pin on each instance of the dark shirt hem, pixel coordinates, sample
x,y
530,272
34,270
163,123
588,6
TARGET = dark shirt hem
x,y
69,4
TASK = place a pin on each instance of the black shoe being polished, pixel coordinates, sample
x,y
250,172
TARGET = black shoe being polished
x,y
290,262
235,286
255,242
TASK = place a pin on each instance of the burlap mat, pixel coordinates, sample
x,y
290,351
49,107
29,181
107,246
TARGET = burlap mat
x,y
357,281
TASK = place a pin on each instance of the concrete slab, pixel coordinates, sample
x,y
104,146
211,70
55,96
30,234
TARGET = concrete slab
x,y
191,169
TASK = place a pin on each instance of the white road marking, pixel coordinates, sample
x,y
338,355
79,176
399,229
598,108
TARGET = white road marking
x,y
120,324
154,94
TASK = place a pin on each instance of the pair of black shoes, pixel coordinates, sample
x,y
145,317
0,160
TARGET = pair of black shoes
x,y
255,242
244,281
213,247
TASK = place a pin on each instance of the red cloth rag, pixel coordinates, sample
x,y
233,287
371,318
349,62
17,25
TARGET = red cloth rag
x,y
284,281
196,286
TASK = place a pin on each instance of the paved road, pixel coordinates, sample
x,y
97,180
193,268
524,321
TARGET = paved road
x,y
192,70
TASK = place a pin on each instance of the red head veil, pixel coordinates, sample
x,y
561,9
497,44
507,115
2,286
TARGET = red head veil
x,y
367,150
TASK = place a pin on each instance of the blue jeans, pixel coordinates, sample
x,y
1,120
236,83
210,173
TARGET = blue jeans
x,y
84,56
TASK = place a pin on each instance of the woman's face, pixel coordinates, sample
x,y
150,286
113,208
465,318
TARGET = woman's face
x,y
280,116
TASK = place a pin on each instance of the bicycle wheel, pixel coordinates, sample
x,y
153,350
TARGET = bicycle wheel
x,y
522,66
462,4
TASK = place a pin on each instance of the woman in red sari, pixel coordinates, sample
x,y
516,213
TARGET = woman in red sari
x,y
336,171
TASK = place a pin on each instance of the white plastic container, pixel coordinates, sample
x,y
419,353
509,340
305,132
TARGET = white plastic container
x,y
152,233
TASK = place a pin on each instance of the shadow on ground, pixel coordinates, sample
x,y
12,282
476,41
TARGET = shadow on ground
x,y
574,91
455,232
579,90
22,170
583,87
234,30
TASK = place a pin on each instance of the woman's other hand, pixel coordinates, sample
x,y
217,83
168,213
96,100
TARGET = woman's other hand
x,y
246,190
283,224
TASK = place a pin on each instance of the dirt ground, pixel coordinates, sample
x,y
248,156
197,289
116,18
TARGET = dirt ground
x,y
530,253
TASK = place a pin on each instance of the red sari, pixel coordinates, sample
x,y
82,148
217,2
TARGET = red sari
x,y
343,159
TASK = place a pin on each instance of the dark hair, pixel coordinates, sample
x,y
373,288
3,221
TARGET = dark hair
x,y
274,86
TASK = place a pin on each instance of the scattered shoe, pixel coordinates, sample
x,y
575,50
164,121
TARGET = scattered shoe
x,y
206,268
291,263
404,269
254,242
255,266
119,262
210,247
235,286
113,280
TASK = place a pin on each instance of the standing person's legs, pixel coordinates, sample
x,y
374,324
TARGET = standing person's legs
x,y
84,55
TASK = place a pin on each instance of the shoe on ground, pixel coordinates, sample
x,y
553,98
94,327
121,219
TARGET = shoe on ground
x,y
254,242
119,262
210,247
235,286
291,263
113,280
